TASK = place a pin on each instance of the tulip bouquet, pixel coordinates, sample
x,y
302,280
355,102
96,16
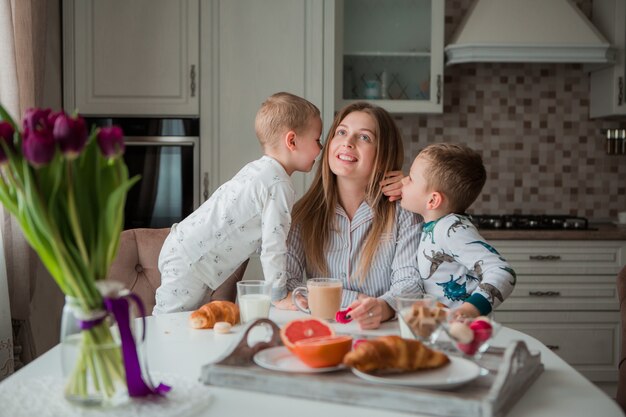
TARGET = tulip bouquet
x,y
67,189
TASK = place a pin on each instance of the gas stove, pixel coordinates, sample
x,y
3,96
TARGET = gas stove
x,y
529,222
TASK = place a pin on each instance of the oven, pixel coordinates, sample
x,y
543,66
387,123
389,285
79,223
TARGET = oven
x,y
165,153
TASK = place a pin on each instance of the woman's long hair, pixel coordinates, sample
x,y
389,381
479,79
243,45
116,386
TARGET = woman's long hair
x,y
315,211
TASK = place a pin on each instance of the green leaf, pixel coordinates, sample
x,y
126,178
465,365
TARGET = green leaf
x,y
71,212
4,115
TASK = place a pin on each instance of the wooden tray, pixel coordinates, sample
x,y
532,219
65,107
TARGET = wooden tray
x,y
511,372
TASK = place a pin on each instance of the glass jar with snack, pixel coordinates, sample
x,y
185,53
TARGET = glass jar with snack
x,y
420,317
471,336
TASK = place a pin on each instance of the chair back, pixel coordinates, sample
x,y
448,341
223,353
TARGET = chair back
x,y
136,266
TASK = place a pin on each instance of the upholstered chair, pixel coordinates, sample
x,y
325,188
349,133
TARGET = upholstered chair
x,y
621,385
136,267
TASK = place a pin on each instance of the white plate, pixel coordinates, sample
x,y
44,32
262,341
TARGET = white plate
x,y
458,372
279,358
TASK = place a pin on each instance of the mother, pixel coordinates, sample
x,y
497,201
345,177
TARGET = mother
x,y
345,227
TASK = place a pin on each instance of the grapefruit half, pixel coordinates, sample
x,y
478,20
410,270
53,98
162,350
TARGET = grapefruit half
x,y
303,329
322,352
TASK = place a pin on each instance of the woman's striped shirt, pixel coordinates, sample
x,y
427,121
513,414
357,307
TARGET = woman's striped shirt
x,y
394,267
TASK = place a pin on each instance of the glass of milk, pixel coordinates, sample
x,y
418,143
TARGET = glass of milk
x,y
254,299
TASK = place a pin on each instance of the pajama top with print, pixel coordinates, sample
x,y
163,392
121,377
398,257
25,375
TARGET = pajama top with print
x,y
456,265
252,211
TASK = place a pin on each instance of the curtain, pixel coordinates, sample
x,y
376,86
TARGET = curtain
x,y
9,98
7,364
22,68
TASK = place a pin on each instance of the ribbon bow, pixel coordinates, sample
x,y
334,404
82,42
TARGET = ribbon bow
x,y
117,304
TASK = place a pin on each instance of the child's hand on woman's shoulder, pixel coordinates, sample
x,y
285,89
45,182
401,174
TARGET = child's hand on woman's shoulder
x,y
391,185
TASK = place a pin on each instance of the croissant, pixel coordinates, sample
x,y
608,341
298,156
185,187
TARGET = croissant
x,y
394,352
206,316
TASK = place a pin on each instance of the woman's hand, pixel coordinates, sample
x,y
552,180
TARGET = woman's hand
x,y
370,312
285,304
391,185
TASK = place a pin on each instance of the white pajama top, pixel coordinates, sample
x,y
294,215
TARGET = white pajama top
x,y
252,211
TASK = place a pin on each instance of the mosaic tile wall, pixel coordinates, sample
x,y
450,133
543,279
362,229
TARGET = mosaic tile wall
x,y
531,123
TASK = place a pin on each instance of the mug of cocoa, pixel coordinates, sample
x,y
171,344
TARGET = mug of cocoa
x,y
323,296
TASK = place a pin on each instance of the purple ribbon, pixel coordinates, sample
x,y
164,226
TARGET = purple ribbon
x,y
86,325
120,309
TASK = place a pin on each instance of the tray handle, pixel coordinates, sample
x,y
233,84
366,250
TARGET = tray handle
x,y
518,370
242,354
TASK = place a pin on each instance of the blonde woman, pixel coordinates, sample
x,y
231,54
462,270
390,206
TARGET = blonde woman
x,y
345,227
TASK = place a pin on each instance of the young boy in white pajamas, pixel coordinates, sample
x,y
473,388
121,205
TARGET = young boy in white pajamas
x,y
455,263
251,211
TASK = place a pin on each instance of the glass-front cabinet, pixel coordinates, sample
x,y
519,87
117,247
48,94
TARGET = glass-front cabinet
x,y
387,52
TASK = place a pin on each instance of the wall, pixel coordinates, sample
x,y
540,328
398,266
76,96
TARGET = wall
x,y
531,123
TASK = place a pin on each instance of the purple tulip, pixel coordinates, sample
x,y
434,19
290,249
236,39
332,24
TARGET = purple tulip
x,y
38,147
70,134
38,143
6,136
37,120
111,141
52,117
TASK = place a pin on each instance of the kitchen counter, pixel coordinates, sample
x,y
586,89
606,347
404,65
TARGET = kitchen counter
x,y
599,231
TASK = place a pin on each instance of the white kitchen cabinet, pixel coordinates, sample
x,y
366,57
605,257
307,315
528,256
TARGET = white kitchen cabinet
x,y
566,297
389,53
587,340
608,84
135,57
251,49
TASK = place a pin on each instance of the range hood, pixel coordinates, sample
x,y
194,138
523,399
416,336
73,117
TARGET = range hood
x,y
527,31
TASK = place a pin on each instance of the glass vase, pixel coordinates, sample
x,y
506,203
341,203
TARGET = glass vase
x,y
91,359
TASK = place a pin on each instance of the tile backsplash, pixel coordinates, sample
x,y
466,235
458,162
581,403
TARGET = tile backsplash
x,y
531,124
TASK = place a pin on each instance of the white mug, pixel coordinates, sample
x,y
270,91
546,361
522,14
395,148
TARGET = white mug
x,y
621,217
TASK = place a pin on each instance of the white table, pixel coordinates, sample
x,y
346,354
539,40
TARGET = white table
x,y
175,348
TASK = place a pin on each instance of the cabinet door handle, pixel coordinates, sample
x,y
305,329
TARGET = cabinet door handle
x,y
544,293
192,76
205,184
544,257
553,347
439,86
620,90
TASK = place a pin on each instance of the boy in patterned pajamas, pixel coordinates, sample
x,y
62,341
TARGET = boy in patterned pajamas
x,y
252,211
456,264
